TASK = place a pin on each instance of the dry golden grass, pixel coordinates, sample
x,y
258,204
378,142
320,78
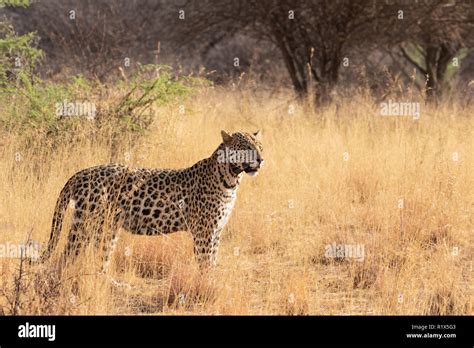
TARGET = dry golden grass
x,y
307,196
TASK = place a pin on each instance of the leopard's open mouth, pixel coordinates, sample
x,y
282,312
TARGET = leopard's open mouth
x,y
251,171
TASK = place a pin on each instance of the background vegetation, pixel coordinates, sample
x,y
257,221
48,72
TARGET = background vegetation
x,y
335,170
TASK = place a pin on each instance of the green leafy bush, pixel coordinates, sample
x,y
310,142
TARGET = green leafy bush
x,y
18,55
40,110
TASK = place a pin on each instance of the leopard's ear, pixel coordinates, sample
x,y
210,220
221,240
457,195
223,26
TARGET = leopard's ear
x,y
226,137
258,135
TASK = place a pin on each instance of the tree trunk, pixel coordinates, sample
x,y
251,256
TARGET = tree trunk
x,y
437,60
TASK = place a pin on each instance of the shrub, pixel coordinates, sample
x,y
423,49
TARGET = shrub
x,y
17,54
41,109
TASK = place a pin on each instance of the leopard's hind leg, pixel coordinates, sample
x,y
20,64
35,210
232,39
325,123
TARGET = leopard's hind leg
x,y
107,243
77,238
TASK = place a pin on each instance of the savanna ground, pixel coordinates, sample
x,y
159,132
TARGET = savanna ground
x,y
400,187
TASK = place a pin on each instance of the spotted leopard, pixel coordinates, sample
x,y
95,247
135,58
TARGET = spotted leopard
x,y
198,199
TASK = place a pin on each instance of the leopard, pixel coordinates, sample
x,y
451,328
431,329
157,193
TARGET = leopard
x,y
147,201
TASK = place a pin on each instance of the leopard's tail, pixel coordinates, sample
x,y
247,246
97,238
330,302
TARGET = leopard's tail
x,y
59,211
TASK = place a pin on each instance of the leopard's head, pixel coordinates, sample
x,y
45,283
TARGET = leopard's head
x,y
242,151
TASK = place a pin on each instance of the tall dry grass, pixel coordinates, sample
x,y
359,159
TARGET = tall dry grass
x,y
331,176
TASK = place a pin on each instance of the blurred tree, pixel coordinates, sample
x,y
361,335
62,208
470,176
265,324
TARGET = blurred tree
x,y
94,37
438,37
314,37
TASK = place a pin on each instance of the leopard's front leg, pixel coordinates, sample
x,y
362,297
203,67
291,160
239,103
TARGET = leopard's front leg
x,y
206,245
